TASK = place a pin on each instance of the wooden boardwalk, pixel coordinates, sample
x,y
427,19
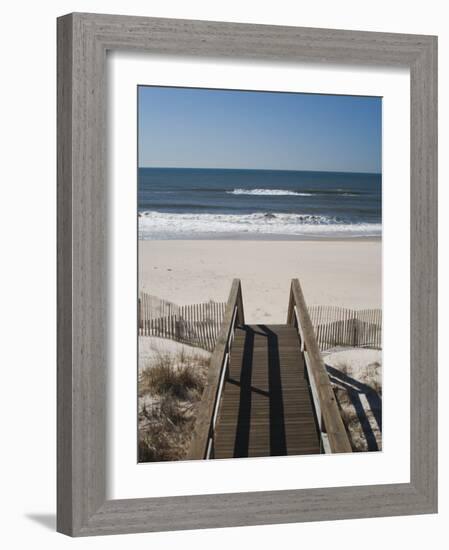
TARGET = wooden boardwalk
x,y
266,407
268,392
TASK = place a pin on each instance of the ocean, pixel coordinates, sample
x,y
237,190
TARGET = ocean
x,y
189,203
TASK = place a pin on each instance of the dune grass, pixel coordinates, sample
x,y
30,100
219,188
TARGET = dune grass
x,y
169,390
177,375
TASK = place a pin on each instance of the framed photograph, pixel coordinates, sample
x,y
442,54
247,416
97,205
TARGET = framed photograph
x,y
247,280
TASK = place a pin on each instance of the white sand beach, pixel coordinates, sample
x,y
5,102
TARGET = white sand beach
x,y
344,273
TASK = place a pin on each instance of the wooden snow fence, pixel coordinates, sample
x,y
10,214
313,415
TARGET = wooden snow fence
x,y
195,324
338,326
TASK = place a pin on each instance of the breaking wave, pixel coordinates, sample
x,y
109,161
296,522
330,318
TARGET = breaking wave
x,y
154,225
270,192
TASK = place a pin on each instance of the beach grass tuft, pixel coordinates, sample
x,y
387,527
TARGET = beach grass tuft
x,y
179,376
169,389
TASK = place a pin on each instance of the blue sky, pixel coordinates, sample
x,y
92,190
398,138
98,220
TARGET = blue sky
x,y
201,128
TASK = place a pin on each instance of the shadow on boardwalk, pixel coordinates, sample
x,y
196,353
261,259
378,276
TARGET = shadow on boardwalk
x,y
277,439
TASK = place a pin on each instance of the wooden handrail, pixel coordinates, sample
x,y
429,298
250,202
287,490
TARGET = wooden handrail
x,y
328,414
210,400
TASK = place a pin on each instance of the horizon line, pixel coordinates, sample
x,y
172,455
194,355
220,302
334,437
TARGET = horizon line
x,y
258,169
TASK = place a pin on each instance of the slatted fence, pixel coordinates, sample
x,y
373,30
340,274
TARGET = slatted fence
x,y
195,324
337,326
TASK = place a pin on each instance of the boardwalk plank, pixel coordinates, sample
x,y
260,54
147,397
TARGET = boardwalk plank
x,y
266,407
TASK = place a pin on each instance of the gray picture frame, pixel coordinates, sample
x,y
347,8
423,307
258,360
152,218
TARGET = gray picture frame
x,y
83,41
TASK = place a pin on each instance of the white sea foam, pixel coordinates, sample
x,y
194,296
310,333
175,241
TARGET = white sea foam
x,y
154,225
278,192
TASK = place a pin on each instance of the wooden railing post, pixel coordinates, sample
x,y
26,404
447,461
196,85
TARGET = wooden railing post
x,y
202,433
239,303
326,404
291,308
